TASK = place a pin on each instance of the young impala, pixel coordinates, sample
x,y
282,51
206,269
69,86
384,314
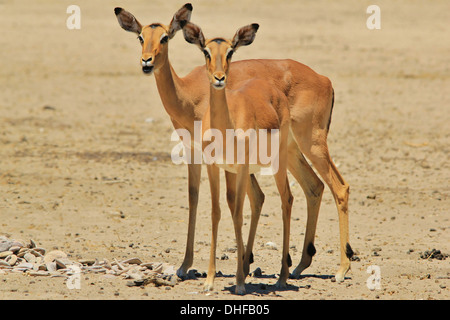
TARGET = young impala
x,y
256,105
310,97
185,100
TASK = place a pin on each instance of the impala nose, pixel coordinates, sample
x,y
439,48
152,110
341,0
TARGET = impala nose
x,y
146,62
147,66
219,80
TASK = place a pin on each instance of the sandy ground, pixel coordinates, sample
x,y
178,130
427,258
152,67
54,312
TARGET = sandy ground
x,y
85,147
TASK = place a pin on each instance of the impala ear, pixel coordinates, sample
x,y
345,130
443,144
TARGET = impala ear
x,y
127,21
193,34
245,35
184,14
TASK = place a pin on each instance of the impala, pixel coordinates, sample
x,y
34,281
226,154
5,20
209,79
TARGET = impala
x,y
310,97
256,105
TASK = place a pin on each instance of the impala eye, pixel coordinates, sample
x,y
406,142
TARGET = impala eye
x,y
141,40
206,53
164,39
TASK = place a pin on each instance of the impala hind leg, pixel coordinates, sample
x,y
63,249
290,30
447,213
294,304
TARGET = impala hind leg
x,y
287,200
313,188
318,153
286,205
194,173
256,198
214,183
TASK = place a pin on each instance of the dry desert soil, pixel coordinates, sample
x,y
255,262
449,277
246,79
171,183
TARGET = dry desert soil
x,y
85,146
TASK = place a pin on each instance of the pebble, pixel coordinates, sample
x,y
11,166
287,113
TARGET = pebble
x,y
38,251
4,264
53,255
32,244
14,249
61,264
132,261
88,262
158,268
11,259
29,257
257,272
5,243
26,265
51,266
168,269
434,254
271,245
4,254
22,252
148,265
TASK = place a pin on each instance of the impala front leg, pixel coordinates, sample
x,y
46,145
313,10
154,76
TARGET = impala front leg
x,y
214,183
241,187
256,198
194,173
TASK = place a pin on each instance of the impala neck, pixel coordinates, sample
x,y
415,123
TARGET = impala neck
x,y
173,95
219,113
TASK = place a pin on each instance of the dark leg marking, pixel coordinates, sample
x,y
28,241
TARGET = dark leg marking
x,y
311,250
331,112
348,251
289,260
250,259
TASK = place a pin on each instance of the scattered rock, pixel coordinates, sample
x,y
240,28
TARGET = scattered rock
x,y
168,269
11,259
148,265
38,252
32,244
88,262
61,263
14,249
25,265
16,257
271,245
434,254
29,257
132,261
4,254
427,276
51,266
4,264
5,244
257,272
355,258
53,255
